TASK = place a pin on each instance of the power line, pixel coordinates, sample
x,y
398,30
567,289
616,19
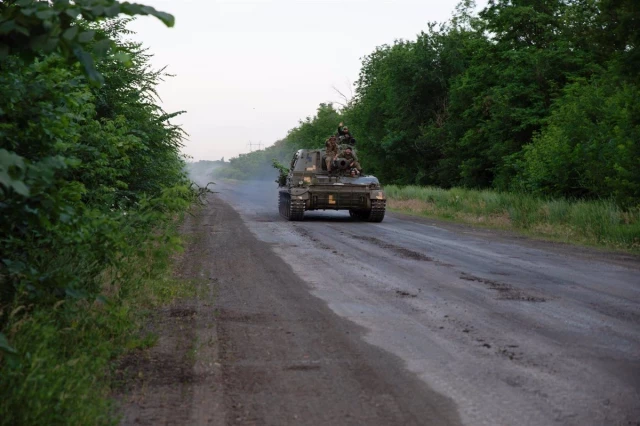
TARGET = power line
x,y
251,145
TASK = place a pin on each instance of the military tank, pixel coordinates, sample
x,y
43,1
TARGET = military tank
x,y
307,185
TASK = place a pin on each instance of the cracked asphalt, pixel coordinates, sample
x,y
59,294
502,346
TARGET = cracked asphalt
x,y
511,331
408,322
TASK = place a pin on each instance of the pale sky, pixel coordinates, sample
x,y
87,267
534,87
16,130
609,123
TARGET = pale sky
x,y
247,71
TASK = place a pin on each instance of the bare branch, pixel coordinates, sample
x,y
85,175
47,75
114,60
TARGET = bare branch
x,y
342,95
350,86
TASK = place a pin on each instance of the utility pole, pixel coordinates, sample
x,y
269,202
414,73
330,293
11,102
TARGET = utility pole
x,y
251,145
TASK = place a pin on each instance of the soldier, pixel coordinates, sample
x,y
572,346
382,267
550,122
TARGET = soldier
x,y
344,136
331,147
350,156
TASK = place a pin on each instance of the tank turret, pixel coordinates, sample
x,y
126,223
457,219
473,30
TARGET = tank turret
x,y
308,185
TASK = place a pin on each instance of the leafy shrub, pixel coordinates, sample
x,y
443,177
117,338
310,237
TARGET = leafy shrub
x,y
590,147
91,185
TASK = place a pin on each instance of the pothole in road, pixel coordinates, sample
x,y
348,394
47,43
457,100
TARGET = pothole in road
x,y
402,293
510,353
505,291
400,251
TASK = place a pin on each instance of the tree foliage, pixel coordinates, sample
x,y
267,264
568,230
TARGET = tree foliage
x,y
591,144
526,95
32,27
493,100
312,132
87,171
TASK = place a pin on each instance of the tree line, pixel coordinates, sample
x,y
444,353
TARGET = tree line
x,y
538,96
88,160
91,181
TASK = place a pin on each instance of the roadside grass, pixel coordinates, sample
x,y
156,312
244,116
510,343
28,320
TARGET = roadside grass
x,y
598,222
63,373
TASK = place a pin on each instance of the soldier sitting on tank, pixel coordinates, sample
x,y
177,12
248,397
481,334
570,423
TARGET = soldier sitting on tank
x,y
331,152
344,136
354,173
351,158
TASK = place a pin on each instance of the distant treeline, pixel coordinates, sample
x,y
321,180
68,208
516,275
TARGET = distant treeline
x,y
540,96
310,133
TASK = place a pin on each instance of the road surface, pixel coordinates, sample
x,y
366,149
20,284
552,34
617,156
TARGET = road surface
x,y
410,321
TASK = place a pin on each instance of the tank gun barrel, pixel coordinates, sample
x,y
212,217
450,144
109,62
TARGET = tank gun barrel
x,y
341,163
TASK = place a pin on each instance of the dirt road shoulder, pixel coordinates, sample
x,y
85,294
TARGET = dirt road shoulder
x,y
255,347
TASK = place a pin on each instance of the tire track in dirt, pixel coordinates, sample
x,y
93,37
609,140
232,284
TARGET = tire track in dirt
x,y
177,380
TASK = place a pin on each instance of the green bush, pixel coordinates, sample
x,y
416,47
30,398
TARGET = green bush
x,y
590,147
60,371
91,185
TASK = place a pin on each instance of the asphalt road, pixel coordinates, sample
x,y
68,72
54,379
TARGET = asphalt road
x,y
406,322
497,329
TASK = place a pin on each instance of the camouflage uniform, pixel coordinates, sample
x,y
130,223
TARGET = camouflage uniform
x,y
331,151
352,159
345,137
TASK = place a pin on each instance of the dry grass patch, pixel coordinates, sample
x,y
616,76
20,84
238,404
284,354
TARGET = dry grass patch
x,y
413,206
595,222
494,220
563,232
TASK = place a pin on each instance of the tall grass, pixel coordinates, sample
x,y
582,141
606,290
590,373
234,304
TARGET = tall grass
x,y
595,222
61,372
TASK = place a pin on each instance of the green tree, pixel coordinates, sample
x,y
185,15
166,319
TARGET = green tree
x,y
590,147
499,99
32,27
312,132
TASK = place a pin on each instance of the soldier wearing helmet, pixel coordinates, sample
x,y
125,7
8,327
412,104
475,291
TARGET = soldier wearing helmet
x,y
344,136
351,158
331,151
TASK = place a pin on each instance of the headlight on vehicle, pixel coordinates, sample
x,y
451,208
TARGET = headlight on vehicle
x,y
301,182
377,195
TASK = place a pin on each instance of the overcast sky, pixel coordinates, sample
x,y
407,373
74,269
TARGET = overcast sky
x,y
247,71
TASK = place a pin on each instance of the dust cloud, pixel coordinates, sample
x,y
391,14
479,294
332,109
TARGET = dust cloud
x,y
259,196
260,193
201,172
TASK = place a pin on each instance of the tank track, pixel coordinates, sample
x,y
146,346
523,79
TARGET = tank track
x,y
375,214
290,209
378,208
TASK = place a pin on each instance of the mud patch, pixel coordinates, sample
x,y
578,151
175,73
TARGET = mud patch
x,y
616,312
510,353
246,317
181,312
399,251
402,293
302,367
153,369
504,274
158,382
505,291
304,233
410,254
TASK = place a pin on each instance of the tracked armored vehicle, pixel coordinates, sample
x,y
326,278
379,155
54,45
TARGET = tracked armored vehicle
x,y
309,186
